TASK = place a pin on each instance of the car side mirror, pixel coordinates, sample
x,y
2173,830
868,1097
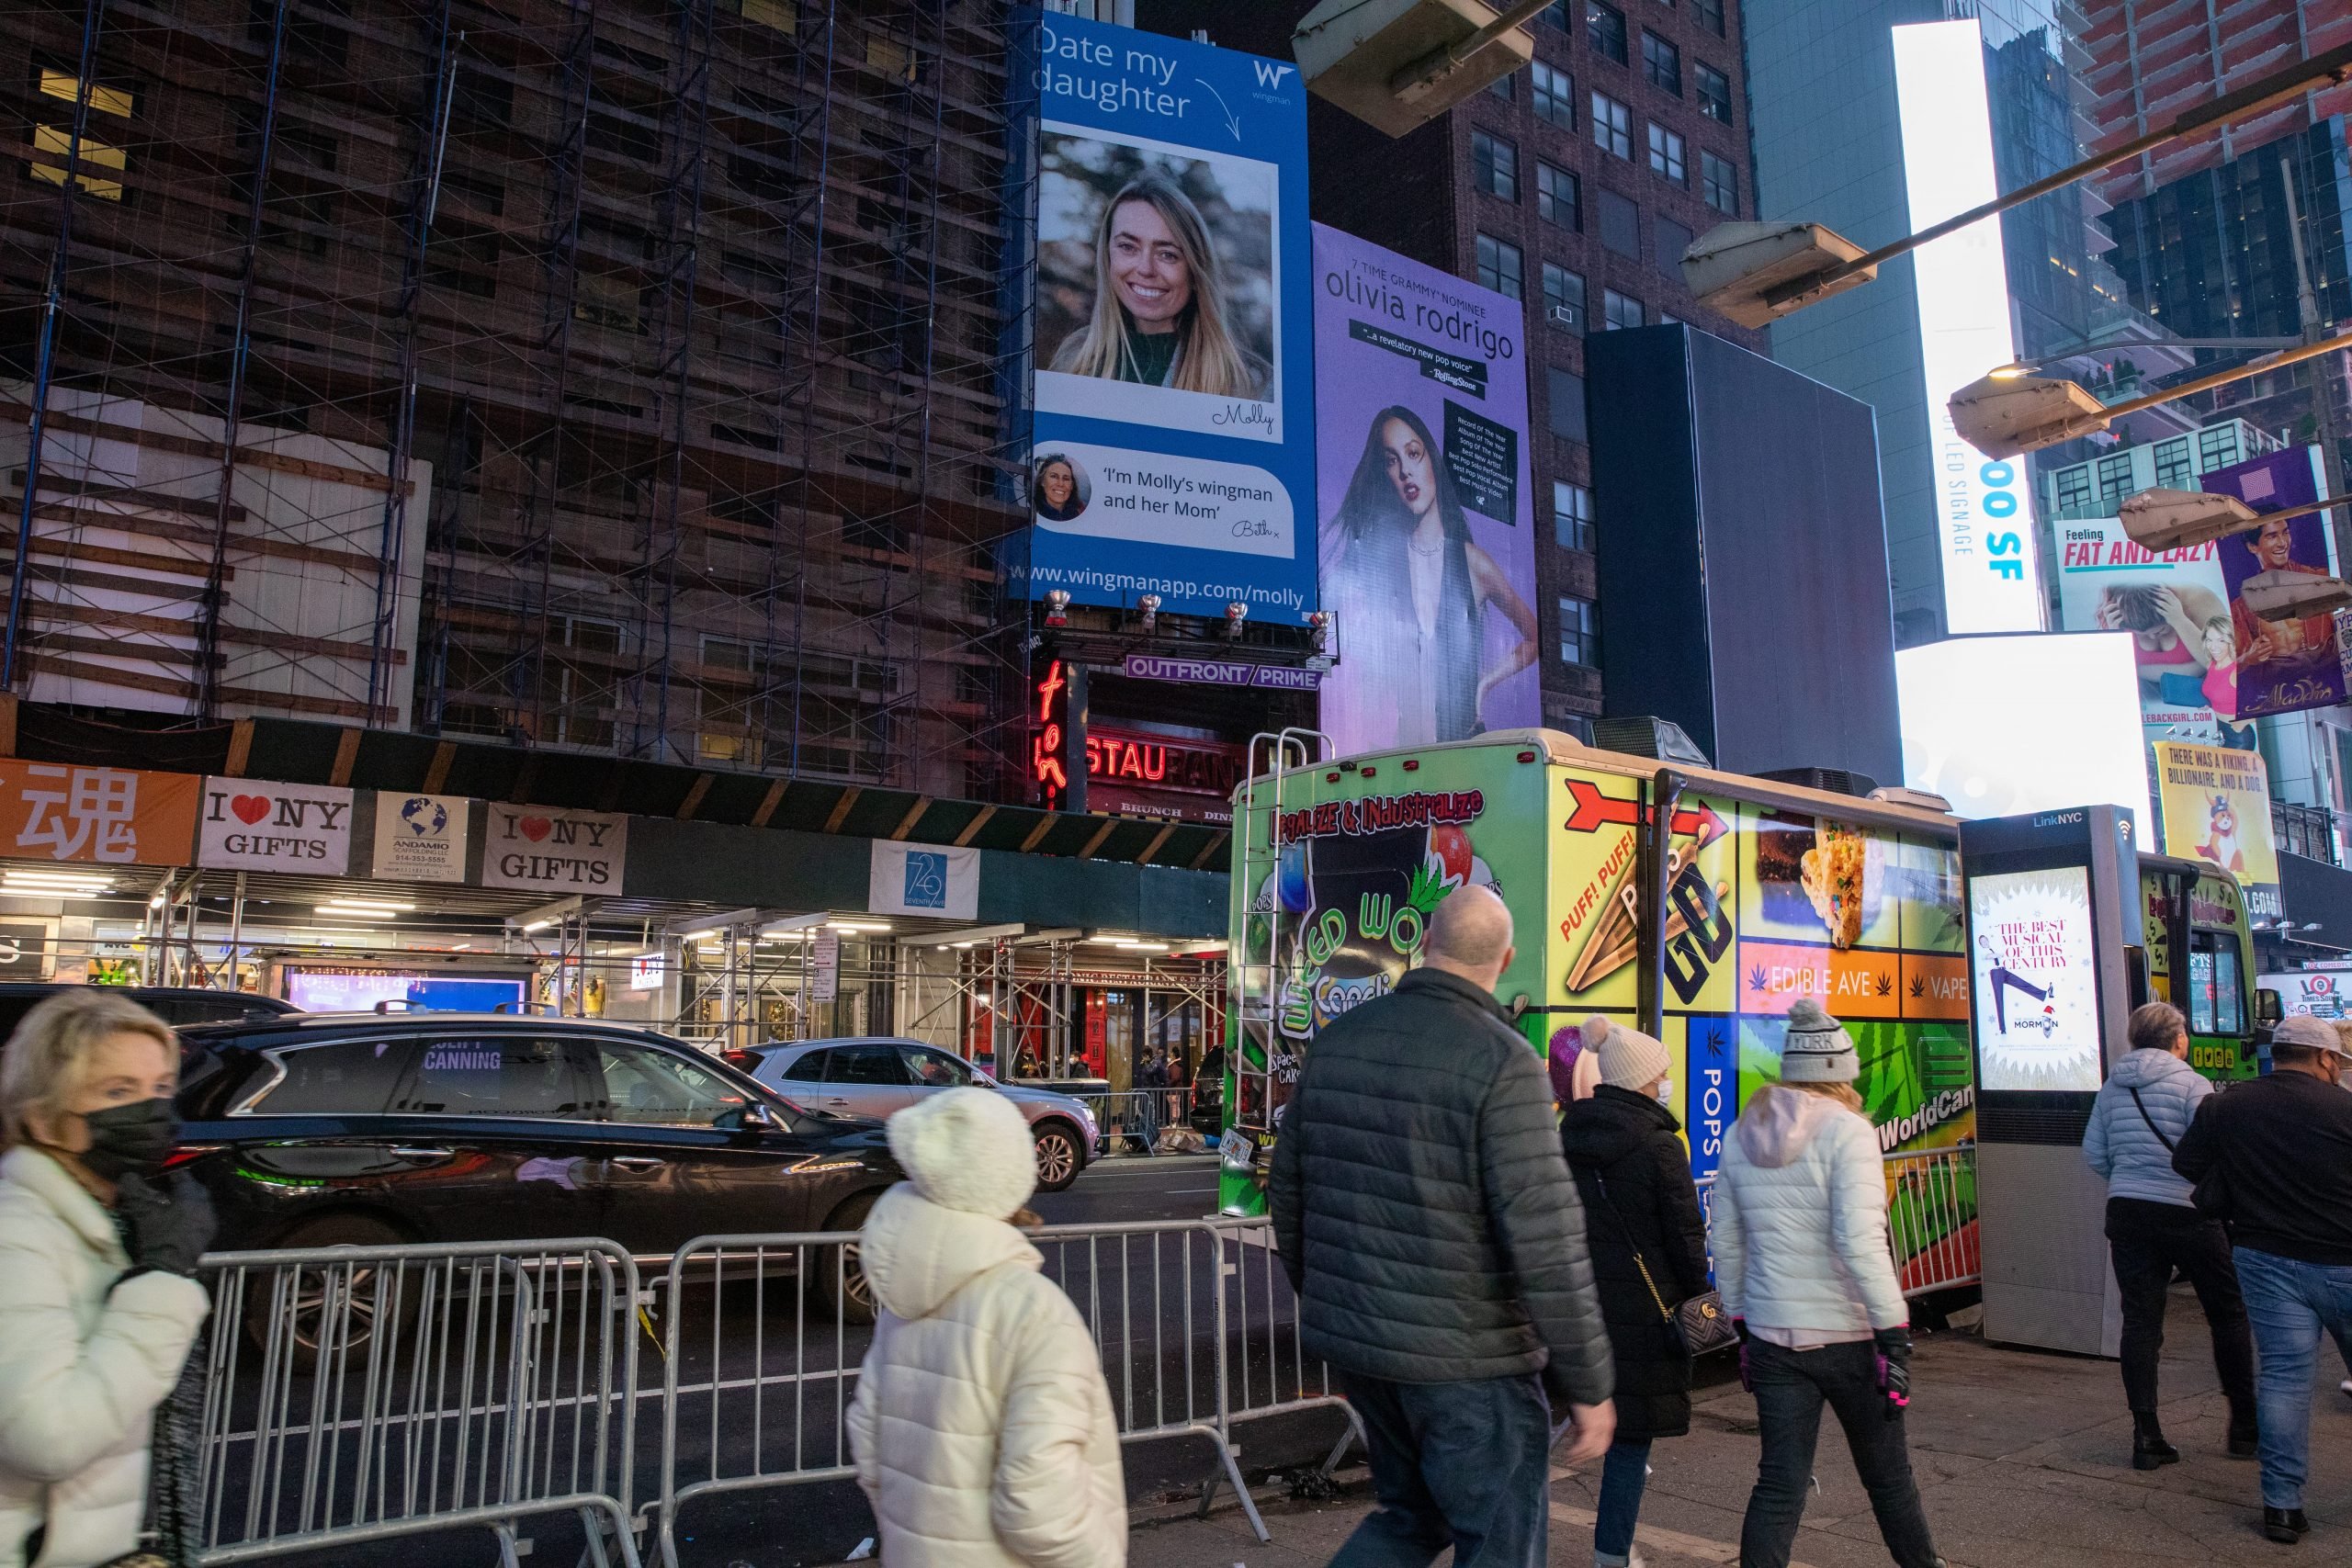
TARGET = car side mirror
x,y
2268,1011
753,1118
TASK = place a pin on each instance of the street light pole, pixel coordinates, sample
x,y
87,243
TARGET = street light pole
x,y
2330,69
1756,273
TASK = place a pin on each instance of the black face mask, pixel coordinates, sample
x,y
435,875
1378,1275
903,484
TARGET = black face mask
x,y
128,1139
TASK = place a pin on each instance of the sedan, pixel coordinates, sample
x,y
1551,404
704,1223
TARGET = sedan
x,y
874,1075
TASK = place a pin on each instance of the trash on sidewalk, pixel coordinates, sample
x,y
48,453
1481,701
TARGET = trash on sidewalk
x,y
1181,1141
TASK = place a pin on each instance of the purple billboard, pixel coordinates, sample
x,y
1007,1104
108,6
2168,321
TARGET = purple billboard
x,y
1427,523
2281,666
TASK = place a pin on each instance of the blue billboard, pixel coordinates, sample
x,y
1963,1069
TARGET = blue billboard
x,y
1174,428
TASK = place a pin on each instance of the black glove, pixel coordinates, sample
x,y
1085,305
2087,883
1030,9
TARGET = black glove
x,y
167,1222
1893,1347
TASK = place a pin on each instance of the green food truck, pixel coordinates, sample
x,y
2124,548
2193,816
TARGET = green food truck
x,y
1695,904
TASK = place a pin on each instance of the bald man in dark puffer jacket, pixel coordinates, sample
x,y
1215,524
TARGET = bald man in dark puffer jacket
x,y
1429,1226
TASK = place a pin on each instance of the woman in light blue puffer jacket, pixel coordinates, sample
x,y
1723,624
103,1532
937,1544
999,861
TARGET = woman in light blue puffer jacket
x,y
2153,1227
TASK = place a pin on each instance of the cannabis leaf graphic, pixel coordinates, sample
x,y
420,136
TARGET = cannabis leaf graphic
x,y
1427,889
1918,986
1886,985
1756,976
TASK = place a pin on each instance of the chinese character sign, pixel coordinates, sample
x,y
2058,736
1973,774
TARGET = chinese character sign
x,y
63,811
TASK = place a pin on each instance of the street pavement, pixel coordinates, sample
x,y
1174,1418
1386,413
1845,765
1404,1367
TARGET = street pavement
x,y
2024,1458
1120,1191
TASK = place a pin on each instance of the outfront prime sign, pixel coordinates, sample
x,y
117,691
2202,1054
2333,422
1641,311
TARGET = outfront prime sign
x,y
1220,673
1984,510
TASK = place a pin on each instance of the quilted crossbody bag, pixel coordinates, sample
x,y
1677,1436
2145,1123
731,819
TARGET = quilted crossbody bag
x,y
1699,1323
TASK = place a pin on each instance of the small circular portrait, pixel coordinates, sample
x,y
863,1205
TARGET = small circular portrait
x,y
1061,488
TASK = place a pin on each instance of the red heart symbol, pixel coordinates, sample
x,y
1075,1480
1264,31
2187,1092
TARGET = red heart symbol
x,y
250,808
534,828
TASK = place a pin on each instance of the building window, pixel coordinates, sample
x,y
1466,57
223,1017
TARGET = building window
x,y
1553,95
1579,639
96,158
1500,86
1556,199
2114,480
1556,15
1666,155
1572,516
1709,14
1662,64
1619,310
1498,266
1604,29
1719,183
1620,225
1563,298
1714,93
1495,163
2174,468
2075,489
1673,244
1612,126
1565,404
2217,447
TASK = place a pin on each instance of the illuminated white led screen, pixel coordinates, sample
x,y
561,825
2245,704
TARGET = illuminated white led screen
x,y
1983,507
2001,725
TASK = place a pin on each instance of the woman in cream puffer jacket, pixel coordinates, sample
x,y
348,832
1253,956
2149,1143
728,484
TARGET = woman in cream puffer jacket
x,y
982,1430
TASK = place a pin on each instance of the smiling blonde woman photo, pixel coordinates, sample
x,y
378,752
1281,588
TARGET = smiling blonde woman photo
x,y
1160,314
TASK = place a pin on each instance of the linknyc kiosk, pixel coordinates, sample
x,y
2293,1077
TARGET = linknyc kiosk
x,y
2056,964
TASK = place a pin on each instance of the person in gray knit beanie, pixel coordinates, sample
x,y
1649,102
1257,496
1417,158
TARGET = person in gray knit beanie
x,y
1818,1050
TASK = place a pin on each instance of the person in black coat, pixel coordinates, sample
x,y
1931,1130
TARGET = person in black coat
x,y
1640,1203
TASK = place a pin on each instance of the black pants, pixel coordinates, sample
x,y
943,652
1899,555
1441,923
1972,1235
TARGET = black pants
x,y
2148,1242
1791,1388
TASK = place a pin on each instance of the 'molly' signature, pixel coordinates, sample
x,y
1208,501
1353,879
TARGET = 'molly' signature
x,y
1245,414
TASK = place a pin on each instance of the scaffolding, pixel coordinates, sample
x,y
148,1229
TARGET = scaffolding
x,y
640,379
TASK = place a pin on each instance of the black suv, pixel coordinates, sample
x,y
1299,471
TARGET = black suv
x,y
343,1129
175,1005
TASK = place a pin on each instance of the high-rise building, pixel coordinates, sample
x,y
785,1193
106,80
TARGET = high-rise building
x,y
2154,60
1829,147
1576,185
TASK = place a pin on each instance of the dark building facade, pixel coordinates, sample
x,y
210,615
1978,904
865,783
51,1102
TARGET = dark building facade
x,y
1574,184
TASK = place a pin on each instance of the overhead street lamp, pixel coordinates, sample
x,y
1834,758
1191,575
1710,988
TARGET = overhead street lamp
x,y
2005,414
2017,367
1396,63
2162,519
1756,273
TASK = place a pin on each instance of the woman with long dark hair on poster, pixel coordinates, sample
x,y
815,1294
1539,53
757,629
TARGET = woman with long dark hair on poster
x,y
1160,316
1411,591
1057,497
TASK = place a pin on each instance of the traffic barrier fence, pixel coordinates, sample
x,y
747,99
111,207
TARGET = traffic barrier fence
x,y
353,1394
1930,1218
356,1395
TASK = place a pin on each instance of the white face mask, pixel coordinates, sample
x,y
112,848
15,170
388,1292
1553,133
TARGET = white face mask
x,y
1666,1092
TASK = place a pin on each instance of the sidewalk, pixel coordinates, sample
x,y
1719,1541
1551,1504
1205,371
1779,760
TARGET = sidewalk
x,y
2023,1459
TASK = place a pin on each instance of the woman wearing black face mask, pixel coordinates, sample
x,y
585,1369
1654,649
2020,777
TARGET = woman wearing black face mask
x,y
99,1302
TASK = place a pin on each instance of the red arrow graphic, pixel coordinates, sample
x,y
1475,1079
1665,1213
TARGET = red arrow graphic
x,y
1595,809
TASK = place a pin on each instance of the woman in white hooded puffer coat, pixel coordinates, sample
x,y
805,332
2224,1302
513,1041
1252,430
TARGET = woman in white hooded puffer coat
x,y
1802,1264
983,1429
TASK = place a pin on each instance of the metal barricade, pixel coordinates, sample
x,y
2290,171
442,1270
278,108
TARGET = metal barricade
x,y
1930,1218
1192,1334
1131,1120
356,1395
